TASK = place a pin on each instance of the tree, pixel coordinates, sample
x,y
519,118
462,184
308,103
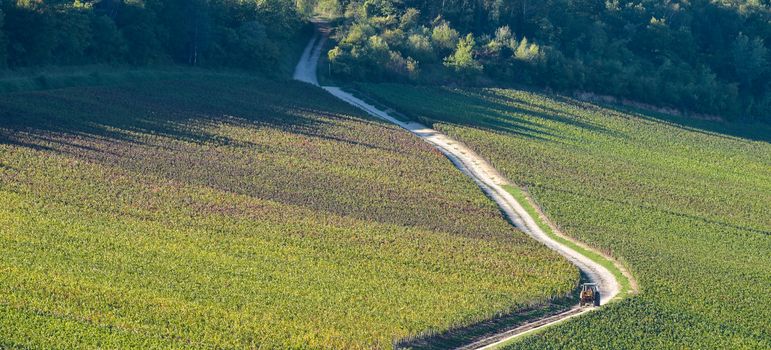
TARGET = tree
x,y
329,8
280,18
139,26
3,43
749,59
251,48
419,46
503,43
27,47
526,51
187,25
72,28
444,37
410,19
198,30
306,7
613,46
108,44
462,60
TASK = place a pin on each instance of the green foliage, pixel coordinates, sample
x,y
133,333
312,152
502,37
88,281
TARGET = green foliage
x,y
326,8
73,36
3,42
463,61
306,7
25,46
685,208
503,43
444,37
109,45
230,212
527,51
750,59
410,19
255,35
329,8
698,56
420,47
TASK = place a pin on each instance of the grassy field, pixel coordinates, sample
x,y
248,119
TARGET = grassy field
x,y
683,206
49,78
227,212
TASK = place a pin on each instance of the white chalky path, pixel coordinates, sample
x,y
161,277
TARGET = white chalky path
x,y
489,180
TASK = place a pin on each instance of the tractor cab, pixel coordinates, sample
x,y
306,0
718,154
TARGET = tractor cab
x,y
590,295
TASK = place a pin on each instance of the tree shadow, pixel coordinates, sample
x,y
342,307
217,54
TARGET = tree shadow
x,y
480,116
73,118
156,129
521,106
487,110
734,130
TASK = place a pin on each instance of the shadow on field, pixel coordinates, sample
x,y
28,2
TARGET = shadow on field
x,y
70,119
504,102
753,131
219,135
490,111
466,335
462,336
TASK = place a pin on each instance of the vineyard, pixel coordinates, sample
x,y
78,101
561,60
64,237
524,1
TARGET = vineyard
x,y
241,213
685,208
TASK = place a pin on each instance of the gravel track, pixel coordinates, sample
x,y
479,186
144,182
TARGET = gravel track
x,y
490,181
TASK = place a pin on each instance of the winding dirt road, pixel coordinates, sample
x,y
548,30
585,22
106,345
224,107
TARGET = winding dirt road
x,y
490,181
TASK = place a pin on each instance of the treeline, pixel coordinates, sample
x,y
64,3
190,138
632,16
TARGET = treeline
x,y
696,55
253,34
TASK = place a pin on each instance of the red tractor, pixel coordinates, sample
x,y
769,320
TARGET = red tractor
x,y
590,295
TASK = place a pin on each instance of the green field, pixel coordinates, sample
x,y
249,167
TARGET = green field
x,y
685,208
231,212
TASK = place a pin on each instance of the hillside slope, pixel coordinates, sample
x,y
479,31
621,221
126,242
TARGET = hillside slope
x,y
232,213
685,208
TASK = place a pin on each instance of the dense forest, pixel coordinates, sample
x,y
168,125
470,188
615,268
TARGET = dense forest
x,y
695,55
703,56
213,33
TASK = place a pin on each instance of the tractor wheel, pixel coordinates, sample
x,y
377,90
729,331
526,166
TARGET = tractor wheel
x,y
597,299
